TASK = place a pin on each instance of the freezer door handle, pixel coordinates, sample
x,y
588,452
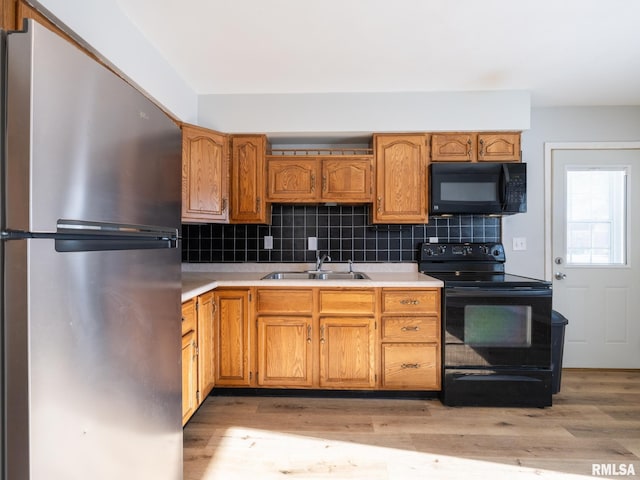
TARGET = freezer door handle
x,y
65,226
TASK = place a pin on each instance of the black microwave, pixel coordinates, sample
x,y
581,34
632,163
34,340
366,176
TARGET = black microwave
x,y
478,188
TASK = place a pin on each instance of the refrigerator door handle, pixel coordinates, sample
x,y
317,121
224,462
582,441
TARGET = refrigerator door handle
x,y
83,227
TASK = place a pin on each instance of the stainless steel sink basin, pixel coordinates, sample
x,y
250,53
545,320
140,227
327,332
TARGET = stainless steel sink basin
x,y
316,276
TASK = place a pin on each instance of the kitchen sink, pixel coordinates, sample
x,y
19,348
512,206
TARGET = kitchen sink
x,y
316,275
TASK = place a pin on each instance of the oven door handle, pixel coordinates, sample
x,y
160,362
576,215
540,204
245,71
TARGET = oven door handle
x,y
497,292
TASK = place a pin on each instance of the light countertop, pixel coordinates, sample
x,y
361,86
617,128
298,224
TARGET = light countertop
x,y
200,278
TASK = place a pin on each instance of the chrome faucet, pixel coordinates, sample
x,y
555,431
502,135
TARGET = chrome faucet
x,y
320,260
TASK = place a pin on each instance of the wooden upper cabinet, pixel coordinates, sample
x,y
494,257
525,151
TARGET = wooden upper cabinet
x,y
292,180
248,187
309,179
205,175
476,147
453,147
499,147
347,180
401,179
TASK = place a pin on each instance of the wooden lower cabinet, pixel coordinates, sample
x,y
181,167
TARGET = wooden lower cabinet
x,y
410,339
206,344
304,343
347,352
232,337
285,351
190,398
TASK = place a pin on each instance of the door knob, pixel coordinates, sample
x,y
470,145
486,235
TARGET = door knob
x,y
560,276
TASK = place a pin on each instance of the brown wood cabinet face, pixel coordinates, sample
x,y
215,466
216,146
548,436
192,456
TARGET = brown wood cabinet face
x,y
499,147
248,187
284,301
206,344
453,147
205,175
189,360
401,179
411,329
350,301
476,147
232,337
285,351
292,180
414,301
411,366
347,180
347,352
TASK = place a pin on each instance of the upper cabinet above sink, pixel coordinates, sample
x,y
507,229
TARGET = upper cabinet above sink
x,y
319,179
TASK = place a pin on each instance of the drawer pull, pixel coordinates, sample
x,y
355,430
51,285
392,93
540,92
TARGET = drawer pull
x,y
410,301
410,365
410,329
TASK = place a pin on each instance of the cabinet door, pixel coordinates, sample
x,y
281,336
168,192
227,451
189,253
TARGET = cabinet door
x,y
453,147
347,346
401,179
206,345
232,337
205,175
499,147
284,351
248,168
292,180
189,360
347,180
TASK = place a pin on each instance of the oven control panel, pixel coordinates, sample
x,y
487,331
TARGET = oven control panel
x,y
461,252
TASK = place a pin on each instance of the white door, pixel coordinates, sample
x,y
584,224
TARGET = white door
x,y
595,254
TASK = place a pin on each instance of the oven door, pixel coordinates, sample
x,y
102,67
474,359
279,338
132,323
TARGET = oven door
x,y
497,327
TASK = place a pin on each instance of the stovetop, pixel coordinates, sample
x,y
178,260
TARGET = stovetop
x,y
471,265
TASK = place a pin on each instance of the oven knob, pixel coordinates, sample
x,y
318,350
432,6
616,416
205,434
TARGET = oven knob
x,y
496,253
428,252
442,249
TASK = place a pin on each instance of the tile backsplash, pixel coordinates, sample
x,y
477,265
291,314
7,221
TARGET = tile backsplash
x,y
342,231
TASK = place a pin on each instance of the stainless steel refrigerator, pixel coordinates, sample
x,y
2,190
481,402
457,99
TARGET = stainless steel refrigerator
x,y
91,383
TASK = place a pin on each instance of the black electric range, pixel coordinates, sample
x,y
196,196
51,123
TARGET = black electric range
x,y
496,327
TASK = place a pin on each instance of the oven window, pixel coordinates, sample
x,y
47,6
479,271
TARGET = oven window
x,y
468,192
497,325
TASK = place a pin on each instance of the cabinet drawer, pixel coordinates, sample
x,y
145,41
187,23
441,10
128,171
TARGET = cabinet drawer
x,y
347,301
411,365
188,316
285,301
411,329
421,301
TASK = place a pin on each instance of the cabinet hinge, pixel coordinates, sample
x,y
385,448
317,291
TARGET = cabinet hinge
x,y
198,396
197,305
250,297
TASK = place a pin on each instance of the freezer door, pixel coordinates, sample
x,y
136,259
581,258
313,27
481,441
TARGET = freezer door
x,y
82,143
93,353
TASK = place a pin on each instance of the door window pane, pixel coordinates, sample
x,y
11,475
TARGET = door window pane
x,y
596,216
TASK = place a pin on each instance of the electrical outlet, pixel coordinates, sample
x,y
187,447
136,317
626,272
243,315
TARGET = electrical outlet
x,y
519,243
312,243
268,242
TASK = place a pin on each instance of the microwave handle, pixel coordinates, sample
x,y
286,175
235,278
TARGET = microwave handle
x,y
504,185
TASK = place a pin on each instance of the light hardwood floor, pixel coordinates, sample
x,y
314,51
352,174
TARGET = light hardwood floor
x,y
595,419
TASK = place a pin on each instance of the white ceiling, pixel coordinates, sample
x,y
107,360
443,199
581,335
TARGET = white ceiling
x,y
564,52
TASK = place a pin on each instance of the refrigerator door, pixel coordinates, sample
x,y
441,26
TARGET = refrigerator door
x,y
82,143
93,362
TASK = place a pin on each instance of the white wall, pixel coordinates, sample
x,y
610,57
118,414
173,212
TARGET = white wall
x,y
330,113
111,35
558,124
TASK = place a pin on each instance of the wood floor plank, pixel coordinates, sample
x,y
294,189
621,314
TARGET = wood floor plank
x,y
265,438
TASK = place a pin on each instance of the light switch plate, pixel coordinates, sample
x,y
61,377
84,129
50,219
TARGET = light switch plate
x,y
268,242
313,243
519,243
